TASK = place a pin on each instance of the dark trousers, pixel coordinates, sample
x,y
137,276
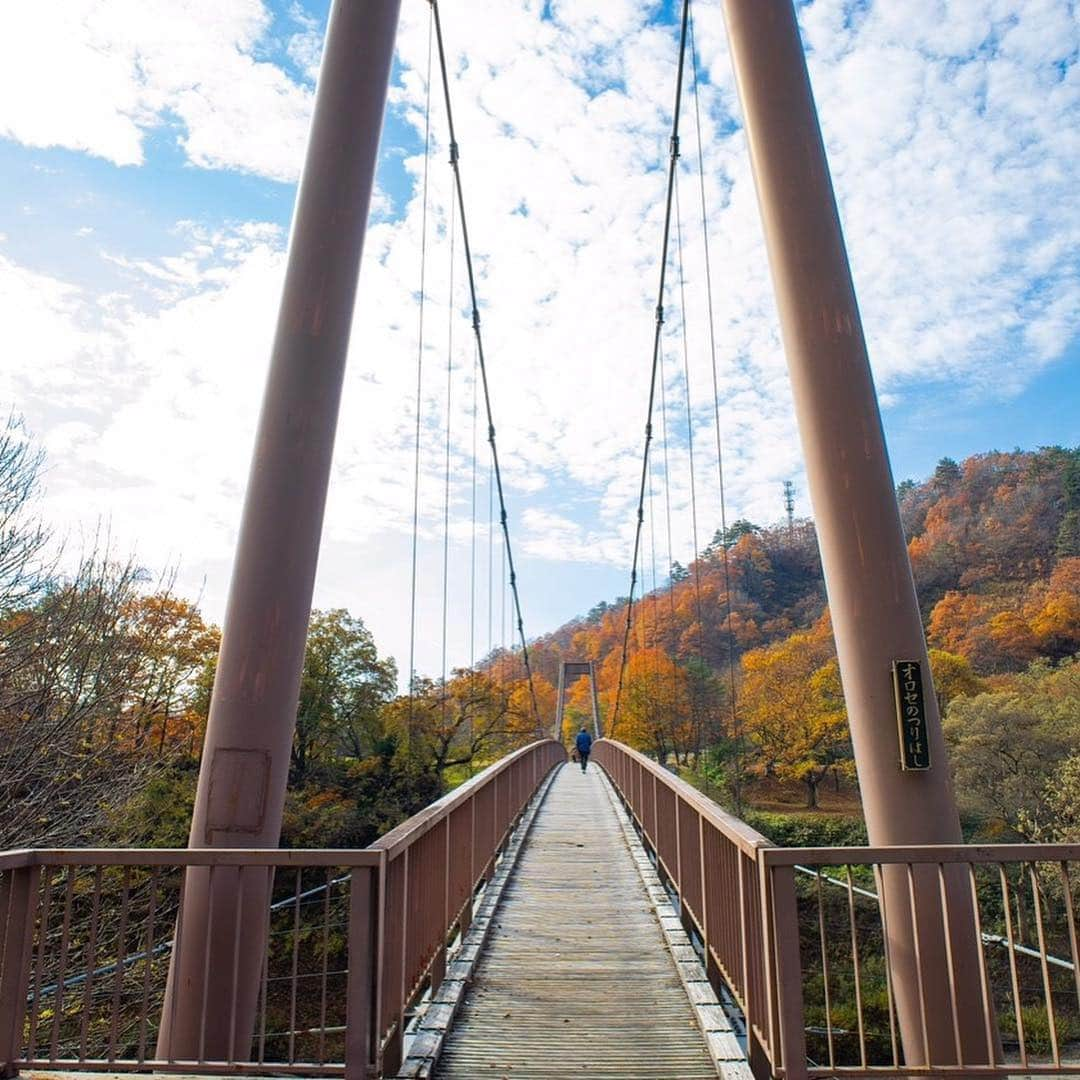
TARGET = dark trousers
x,y
584,760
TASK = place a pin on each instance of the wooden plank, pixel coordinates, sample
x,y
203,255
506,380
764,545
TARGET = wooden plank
x,y
576,979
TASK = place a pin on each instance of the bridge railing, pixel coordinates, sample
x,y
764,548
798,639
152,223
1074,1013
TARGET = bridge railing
x,y
801,939
1007,1002
712,862
429,871
353,939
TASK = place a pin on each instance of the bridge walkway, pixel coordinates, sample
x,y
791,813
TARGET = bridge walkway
x,y
576,979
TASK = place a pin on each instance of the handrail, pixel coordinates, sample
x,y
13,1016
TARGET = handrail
x,y
736,830
411,829
713,861
921,853
16,858
400,902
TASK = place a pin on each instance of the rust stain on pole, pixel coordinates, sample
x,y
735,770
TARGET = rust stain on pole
x,y
245,761
875,612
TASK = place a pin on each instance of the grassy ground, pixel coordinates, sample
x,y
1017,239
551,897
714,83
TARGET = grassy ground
x,y
770,795
778,811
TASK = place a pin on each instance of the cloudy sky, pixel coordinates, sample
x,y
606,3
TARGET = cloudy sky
x,y
149,151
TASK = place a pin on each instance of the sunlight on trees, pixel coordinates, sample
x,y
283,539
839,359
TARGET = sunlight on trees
x,y
793,711
106,674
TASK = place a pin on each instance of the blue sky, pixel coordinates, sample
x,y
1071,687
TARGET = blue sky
x,y
148,155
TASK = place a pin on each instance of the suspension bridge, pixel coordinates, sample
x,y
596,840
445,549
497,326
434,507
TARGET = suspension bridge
x,y
543,920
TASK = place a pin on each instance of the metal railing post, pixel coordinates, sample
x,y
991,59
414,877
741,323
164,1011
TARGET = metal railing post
x,y
18,912
782,940
438,964
361,1011
750,873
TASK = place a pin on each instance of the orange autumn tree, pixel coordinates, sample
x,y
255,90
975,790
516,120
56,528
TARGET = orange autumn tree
x,y
653,711
522,721
1006,628
1053,611
793,708
169,695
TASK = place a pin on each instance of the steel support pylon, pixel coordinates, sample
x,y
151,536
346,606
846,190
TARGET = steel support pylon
x,y
214,977
875,612
570,670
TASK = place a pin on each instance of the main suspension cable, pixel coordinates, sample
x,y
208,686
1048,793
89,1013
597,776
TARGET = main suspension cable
x,y
673,164
456,166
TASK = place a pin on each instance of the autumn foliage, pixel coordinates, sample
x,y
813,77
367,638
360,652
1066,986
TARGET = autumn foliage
x,y
730,672
733,655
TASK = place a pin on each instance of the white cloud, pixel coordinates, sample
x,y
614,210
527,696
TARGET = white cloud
x,y
99,75
954,148
955,162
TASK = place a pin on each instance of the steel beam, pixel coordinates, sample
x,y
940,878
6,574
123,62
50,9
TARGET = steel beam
x,y
209,1014
597,733
558,733
569,672
875,613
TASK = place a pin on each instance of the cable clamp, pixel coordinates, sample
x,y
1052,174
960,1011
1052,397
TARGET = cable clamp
x,y
674,146
491,433
513,579
476,320
659,314
502,517
453,153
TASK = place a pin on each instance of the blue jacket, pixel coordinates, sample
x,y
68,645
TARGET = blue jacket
x,y
583,742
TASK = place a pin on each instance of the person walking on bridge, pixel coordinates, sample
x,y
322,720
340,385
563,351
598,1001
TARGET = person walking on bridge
x,y
583,745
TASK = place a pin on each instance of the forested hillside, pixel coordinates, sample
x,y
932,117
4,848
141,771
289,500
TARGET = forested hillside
x,y
748,686
105,681
106,674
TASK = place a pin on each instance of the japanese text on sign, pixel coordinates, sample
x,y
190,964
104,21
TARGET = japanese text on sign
x,y
910,714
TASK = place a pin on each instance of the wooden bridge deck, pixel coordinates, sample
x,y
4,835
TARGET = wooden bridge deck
x,y
576,979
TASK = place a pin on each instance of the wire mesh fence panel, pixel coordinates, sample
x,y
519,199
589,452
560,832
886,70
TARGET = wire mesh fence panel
x,y
104,937
102,943
1019,985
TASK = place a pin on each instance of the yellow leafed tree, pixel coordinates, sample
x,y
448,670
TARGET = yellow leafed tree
x,y
793,708
653,711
